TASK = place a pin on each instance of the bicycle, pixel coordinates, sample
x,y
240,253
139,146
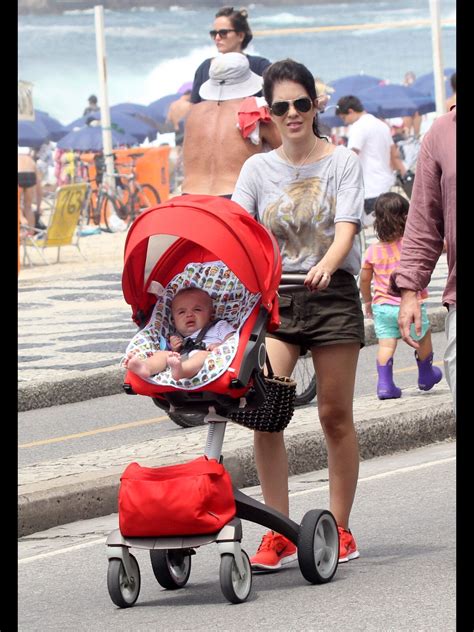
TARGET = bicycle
x,y
127,201
134,197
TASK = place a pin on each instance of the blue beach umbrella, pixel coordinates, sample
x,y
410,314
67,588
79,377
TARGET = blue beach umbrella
x,y
121,123
132,109
158,109
32,134
353,84
329,117
394,100
56,129
425,83
89,138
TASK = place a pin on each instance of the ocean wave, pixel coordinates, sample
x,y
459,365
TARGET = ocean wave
x,y
283,19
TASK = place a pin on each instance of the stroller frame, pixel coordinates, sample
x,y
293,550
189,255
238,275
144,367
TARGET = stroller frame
x,y
317,537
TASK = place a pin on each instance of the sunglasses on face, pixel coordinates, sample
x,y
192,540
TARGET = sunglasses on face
x,y
279,108
223,33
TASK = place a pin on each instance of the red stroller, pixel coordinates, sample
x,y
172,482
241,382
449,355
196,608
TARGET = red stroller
x,y
212,243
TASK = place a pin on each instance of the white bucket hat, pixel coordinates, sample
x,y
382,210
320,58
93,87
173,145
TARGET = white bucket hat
x,y
230,77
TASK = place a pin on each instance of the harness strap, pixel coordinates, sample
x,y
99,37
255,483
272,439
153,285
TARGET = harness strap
x,y
190,345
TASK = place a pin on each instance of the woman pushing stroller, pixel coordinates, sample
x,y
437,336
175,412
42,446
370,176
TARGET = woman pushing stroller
x,y
310,195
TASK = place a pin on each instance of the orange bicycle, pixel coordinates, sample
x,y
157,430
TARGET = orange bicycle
x,y
127,200
134,197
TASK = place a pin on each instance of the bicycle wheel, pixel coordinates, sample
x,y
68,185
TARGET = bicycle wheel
x,y
305,379
145,197
106,207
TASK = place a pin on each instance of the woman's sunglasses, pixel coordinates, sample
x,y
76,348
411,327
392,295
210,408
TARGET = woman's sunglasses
x,y
279,108
223,33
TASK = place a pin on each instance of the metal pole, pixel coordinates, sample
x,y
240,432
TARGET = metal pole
x,y
438,66
104,99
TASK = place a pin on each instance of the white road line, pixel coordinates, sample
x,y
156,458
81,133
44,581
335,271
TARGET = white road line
x,y
402,470
68,549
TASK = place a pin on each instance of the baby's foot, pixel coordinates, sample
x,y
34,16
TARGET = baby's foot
x,y
174,362
138,366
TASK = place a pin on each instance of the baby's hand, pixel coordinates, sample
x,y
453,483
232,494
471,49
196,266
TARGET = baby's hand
x,y
213,346
176,342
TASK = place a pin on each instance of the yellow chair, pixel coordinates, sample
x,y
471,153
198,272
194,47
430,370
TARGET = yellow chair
x,y
66,217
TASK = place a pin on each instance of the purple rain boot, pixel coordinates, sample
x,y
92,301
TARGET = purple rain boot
x,y
428,375
386,388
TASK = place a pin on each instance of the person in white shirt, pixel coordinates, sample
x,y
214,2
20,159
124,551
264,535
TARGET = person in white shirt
x,y
370,138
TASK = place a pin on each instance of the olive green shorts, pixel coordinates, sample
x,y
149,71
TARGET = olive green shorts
x,y
325,317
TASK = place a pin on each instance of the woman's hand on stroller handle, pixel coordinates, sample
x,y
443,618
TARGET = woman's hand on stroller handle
x,y
292,282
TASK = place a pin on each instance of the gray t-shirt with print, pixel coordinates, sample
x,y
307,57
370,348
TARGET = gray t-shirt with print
x,y
301,212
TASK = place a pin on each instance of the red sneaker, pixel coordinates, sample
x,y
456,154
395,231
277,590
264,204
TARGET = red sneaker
x,y
347,546
274,552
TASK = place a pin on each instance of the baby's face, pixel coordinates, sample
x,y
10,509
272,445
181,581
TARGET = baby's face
x,y
191,311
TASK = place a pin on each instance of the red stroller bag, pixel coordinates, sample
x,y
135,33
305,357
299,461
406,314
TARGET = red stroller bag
x,y
187,499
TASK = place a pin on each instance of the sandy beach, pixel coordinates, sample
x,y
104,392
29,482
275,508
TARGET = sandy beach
x,y
103,252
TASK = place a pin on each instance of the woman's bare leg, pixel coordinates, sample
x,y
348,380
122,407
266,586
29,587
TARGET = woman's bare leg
x,y
335,367
269,447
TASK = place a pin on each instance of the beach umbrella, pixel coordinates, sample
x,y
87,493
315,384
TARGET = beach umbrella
x,y
329,117
132,109
89,138
121,123
32,134
353,84
159,109
392,100
185,87
425,83
56,129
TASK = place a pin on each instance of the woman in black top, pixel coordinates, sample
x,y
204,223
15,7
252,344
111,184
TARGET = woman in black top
x,y
231,33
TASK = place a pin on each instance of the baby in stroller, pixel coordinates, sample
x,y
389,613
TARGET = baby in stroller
x,y
192,311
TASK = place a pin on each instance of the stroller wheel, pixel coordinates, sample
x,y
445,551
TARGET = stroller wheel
x,y
318,546
187,420
234,587
122,590
171,567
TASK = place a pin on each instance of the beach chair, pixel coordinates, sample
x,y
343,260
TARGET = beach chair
x,y
66,216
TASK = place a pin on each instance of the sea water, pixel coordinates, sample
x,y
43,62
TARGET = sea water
x,y
152,52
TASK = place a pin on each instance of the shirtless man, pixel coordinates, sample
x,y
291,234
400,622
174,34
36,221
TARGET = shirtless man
x,y
214,147
178,110
29,181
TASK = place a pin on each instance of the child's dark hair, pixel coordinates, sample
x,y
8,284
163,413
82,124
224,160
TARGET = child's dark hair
x,y
391,210
290,70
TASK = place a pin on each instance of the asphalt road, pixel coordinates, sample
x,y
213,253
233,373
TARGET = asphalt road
x,y
108,422
404,523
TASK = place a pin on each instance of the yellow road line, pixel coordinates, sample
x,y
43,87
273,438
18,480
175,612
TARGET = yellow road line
x,y
143,422
347,27
89,433
413,368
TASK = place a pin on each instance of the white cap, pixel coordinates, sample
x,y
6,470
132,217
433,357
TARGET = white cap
x,y
230,77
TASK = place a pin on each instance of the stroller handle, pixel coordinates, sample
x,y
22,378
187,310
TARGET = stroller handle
x,y
292,282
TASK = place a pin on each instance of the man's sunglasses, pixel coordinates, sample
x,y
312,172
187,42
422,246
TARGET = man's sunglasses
x,y
223,33
279,108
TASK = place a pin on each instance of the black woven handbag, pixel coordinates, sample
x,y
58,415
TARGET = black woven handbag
x,y
277,409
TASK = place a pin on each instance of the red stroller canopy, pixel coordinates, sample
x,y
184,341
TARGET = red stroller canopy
x,y
198,228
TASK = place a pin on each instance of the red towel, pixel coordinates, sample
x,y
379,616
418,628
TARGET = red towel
x,y
252,110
